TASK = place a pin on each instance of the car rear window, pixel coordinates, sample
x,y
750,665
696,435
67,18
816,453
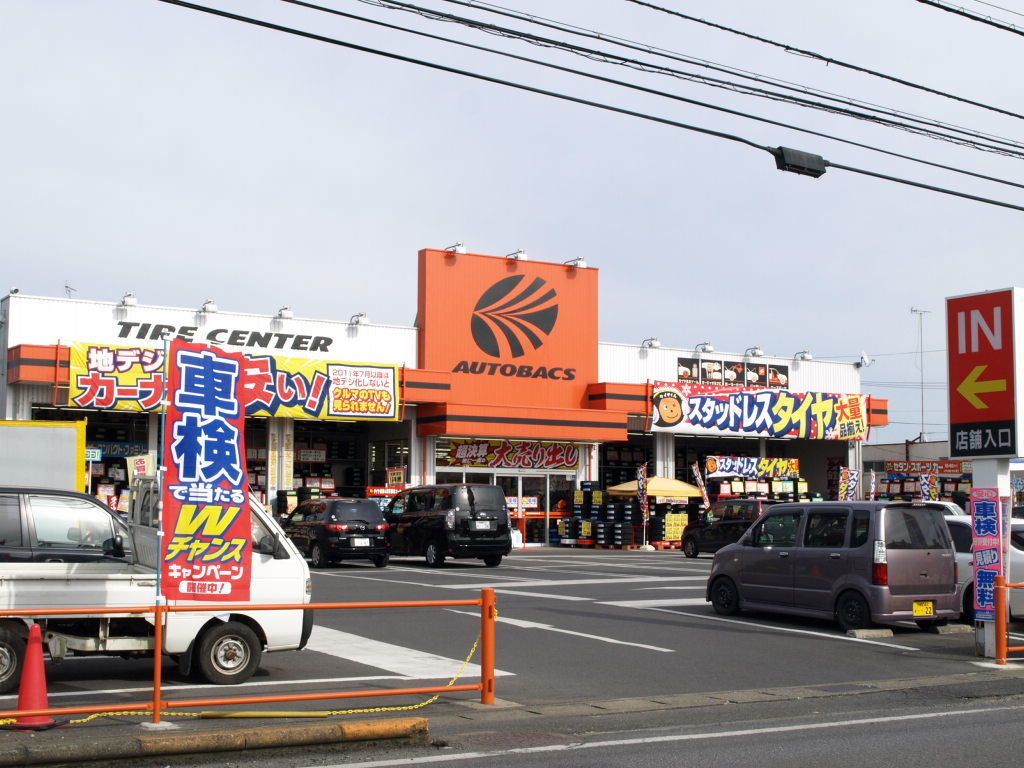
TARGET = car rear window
x,y
915,528
368,512
480,497
1017,539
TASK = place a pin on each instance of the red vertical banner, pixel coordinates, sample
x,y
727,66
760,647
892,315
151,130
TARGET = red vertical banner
x,y
207,530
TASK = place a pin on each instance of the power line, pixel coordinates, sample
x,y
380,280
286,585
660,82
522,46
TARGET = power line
x,y
1003,25
999,7
828,60
778,152
667,54
978,142
644,89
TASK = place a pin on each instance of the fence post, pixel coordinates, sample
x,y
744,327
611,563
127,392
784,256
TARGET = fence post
x,y
487,621
1000,620
158,653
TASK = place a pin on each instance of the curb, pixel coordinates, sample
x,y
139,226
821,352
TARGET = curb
x,y
412,729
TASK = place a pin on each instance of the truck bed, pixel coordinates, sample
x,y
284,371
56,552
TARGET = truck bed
x,y
75,585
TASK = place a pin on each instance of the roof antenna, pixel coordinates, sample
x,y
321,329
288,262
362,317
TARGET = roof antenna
x,y
68,290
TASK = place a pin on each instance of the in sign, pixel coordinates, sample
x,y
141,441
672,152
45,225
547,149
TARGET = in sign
x,y
980,339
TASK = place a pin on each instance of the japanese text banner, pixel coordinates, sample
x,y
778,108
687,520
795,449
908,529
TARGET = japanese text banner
x,y
751,467
206,551
702,409
131,379
510,454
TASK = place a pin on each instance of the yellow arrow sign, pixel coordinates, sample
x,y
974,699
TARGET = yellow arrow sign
x,y
970,387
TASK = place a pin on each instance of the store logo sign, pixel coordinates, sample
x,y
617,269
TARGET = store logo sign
x,y
511,319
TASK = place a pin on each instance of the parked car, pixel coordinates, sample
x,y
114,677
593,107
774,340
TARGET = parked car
x,y
854,562
963,539
334,529
460,520
723,523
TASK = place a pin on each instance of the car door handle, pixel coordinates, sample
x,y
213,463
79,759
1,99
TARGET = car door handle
x,y
834,556
53,560
783,554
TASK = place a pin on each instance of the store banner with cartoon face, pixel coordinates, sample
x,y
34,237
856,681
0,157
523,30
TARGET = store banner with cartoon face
x,y
119,378
206,545
707,409
750,467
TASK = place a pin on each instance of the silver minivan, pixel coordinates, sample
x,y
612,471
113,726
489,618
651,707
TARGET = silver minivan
x,y
853,561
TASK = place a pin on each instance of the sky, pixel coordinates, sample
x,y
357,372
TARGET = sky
x,y
184,156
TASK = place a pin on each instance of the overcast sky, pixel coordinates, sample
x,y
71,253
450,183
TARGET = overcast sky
x,y
183,156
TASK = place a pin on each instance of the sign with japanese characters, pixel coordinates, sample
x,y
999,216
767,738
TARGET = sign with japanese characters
x,y
989,550
929,487
933,467
131,379
206,550
984,418
849,483
751,467
510,454
698,409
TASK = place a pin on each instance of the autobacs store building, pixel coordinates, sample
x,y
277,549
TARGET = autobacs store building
x,y
504,380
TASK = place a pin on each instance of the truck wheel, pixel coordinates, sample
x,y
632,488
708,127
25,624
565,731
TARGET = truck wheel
x,y
12,658
229,653
434,554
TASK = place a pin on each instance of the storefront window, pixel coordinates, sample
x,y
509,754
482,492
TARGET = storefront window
x,y
331,458
385,455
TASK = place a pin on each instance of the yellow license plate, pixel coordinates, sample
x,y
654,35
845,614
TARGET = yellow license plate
x,y
924,608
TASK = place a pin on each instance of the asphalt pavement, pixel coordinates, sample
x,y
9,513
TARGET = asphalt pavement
x,y
581,633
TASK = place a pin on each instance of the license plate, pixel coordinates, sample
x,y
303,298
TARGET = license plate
x,y
924,608
481,525
361,542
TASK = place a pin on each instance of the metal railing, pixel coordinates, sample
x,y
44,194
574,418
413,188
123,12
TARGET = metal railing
x,y
488,618
1002,614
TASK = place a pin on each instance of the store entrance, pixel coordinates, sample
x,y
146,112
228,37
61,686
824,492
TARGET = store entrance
x,y
530,504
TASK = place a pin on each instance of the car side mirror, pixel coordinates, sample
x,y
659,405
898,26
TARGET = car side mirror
x,y
117,546
747,541
279,549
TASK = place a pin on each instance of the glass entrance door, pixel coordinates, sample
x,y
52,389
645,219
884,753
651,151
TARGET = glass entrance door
x,y
509,485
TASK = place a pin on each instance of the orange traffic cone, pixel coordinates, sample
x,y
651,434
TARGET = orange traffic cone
x,y
32,693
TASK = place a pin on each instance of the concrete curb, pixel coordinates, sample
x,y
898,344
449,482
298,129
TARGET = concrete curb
x,y
411,729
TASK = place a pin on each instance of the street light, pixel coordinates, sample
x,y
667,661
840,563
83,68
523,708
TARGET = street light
x,y
754,351
704,346
804,354
652,343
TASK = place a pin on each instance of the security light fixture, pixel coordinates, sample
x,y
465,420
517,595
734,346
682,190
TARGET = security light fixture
x,y
209,306
357,319
518,254
652,343
457,248
578,262
285,313
754,351
804,354
864,361
129,300
704,346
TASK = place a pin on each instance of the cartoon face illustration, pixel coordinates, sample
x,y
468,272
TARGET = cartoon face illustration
x,y
669,409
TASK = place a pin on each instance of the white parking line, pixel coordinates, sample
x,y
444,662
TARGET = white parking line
x,y
393,658
772,627
703,736
666,603
574,582
517,593
550,628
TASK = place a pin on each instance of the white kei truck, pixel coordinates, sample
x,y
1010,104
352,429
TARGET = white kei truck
x,y
64,549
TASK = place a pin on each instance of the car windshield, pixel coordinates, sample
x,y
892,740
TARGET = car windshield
x,y
368,512
915,528
480,497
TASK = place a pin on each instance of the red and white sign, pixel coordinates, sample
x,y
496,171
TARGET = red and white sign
x,y
983,418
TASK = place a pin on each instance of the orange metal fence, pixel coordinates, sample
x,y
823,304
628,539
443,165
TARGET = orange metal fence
x,y
1002,633
488,617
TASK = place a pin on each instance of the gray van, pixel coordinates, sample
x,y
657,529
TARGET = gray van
x,y
853,561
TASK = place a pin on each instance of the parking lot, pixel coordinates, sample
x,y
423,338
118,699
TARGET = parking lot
x,y
574,625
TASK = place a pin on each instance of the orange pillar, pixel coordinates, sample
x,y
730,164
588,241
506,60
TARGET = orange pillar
x,y
488,618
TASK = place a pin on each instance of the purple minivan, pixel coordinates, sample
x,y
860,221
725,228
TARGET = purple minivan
x,y
855,562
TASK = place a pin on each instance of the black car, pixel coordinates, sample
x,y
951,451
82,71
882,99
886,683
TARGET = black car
x,y
329,530
51,526
460,520
723,523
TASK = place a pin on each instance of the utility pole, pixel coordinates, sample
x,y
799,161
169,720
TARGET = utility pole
x,y
920,359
